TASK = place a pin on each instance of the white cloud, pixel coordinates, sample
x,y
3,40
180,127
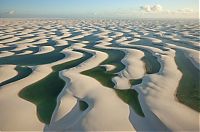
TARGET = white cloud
x,y
11,12
145,8
151,8
160,12
185,10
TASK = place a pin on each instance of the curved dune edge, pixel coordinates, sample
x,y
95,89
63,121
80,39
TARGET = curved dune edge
x,y
8,40
24,117
45,49
156,92
151,122
173,106
7,72
154,40
109,67
21,47
193,55
134,69
92,93
26,52
167,104
6,53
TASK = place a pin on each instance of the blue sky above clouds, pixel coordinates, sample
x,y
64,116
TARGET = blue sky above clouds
x,y
100,8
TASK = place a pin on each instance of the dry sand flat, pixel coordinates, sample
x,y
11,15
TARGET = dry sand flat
x,y
85,103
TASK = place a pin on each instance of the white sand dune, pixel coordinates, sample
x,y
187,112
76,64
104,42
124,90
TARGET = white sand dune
x,y
41,41
3,46
19,113
109,67
106,111
122,39
118,34
75,37
193,55
6,36
194,43
154,40
45,49
25,41
25,117
66,34
7,72
8,40
94,92
134,69
21,47
96,59
158,92
26,52
165,79
103,108
134,65
6,53
61,42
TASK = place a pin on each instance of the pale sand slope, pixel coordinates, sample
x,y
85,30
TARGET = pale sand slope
x,y
24,117
184,109
109,67
9,40
158,93
26,52
17,113
6,36
59,114
45,49
133,59
60,42
157,86
134,69
3,46
193,55
103,102
7,72
25,41
75,37
21,47
41,40
6,53
108,111
154,40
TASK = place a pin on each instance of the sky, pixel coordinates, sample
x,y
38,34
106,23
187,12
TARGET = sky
x,y
100,8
